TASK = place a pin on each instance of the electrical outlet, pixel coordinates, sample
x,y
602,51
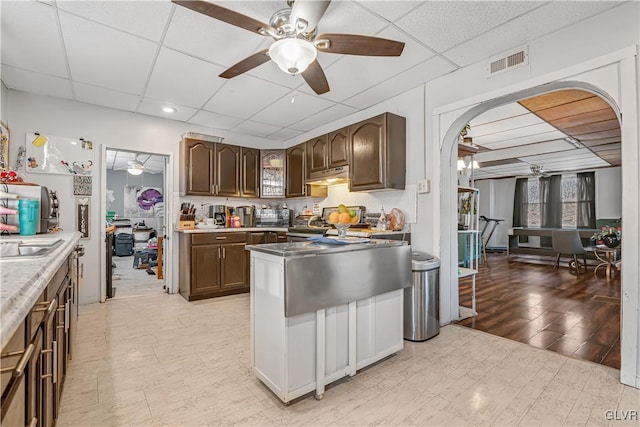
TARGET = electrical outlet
x,y
424,186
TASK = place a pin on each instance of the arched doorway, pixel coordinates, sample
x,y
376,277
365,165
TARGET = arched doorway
x,y
448,226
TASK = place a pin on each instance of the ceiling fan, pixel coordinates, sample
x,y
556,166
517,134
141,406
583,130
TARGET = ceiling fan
x,y
538,171
135,166
297,43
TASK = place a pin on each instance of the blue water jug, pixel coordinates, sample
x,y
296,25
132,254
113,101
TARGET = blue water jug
x,y
28,216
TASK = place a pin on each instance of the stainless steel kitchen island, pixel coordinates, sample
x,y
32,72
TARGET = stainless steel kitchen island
x,y
320,312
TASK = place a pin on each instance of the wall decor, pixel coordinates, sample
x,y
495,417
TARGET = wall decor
x,y
59,155
4,146
82,216
81,185
139,201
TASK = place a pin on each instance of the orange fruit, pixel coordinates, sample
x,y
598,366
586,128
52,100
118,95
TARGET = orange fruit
x,y
333,217
355,219
344,218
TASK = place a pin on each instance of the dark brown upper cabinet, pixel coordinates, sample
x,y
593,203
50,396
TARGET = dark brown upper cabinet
x,y
228,170
295,167
250,172
317,154
338,148
378,153
198,163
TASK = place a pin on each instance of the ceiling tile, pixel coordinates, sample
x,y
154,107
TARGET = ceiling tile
x,y
105,57
415,76
285,134
39,50
536,23
213,120
354,74
523,140
143,18
255,128
320,118
512,134
207,38
41,84
497,126
105,97
153,107
390,10
243,96
444,24
183,79
525,150
284,113
345,17
498,113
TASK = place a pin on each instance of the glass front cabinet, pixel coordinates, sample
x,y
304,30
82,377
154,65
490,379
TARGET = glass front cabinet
x,y
273,173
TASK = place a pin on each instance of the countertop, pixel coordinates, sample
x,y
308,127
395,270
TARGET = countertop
x,y
231,230
366,232
290,249
22,281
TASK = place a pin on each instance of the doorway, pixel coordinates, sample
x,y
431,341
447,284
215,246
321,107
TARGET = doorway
x,y
135,186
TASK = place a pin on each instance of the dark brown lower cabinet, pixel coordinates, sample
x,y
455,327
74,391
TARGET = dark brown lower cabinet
x,y
212,264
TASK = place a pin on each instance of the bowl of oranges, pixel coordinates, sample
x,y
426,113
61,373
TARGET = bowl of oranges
x,y
342,217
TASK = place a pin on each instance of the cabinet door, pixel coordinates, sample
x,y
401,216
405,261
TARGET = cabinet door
x,y
296,171
199,167
250,177
49,366
233,272
35,382
338,148
367,154
316,154
228,170
273,173
257,238
205,261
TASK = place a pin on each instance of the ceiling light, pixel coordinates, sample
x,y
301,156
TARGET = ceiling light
x,y
573,141
134,171
169,109
293,56
461,164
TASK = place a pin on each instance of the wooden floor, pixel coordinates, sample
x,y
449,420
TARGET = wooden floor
x,y
557,311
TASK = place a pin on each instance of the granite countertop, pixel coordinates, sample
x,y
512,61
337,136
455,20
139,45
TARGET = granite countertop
x,y
231,230
23,280
317,248
366,232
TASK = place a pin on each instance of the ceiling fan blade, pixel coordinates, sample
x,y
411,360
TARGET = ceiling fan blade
x,y
222,14
309,11
352,44
246,64
315,78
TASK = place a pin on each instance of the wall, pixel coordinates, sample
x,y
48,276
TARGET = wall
x,y
4,95
108,127
117,180
496,201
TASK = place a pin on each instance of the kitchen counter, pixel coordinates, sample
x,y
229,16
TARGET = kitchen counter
x,y
23,280
230,230
290,249
368,232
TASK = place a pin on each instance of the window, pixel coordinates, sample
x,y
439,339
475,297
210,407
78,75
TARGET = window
x,y
569,190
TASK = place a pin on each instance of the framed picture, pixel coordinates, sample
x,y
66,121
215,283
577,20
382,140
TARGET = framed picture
x,y
82,216
81,185
4,146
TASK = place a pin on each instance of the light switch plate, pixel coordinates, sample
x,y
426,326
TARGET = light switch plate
x,y
424,186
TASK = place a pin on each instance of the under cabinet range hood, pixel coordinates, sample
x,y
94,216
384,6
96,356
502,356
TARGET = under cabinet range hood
x,y
331,176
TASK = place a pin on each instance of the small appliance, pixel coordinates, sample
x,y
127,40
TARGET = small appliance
x,y
272,217
219,214
247,215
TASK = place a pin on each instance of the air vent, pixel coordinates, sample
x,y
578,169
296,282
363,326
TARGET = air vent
x,y
511,60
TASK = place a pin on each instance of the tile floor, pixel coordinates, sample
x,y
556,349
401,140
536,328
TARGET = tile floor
x,y
133,281
159,360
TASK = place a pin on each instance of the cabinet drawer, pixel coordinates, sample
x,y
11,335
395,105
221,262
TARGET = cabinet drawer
x,y
222,238
56,282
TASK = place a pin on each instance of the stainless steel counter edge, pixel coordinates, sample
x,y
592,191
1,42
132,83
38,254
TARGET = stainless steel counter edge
x,y
22,281
230,230
292,249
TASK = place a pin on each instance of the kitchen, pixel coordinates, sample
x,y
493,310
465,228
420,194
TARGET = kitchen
x,y
410,98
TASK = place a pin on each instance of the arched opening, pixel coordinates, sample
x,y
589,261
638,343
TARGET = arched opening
x,y
448,223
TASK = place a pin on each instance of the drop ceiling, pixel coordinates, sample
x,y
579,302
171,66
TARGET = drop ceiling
x,y
120,160
562,131
142,55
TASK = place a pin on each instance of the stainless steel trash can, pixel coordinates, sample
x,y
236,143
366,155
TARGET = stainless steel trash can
x,y
422,299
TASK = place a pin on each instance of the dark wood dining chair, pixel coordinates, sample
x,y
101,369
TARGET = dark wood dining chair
x,y
567,242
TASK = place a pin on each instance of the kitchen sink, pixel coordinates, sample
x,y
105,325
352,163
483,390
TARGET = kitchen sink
x,y
27,248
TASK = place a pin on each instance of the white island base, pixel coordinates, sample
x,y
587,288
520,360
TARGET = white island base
x,y
296,355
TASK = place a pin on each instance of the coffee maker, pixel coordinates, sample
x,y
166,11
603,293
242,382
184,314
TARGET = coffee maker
x,y
247,215
219,214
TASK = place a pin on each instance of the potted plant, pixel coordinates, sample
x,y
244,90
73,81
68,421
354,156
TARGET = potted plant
x,y
608,236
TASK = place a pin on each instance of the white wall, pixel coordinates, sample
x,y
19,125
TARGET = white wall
x,y
4,94
609,193
112,128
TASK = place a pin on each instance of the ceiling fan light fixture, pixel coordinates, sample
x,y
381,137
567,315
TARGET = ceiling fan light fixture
x,y
169,109
293,56
134,171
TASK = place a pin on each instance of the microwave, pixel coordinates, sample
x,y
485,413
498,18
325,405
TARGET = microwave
x,y
47,208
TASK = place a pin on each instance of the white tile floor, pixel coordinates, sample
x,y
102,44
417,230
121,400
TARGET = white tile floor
x,y
131,281
159,360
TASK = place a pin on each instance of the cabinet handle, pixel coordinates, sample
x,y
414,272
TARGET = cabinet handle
x,y
82,271
18,370
224,252
49,309
54,361
34,422
221,238
67,316
219,253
